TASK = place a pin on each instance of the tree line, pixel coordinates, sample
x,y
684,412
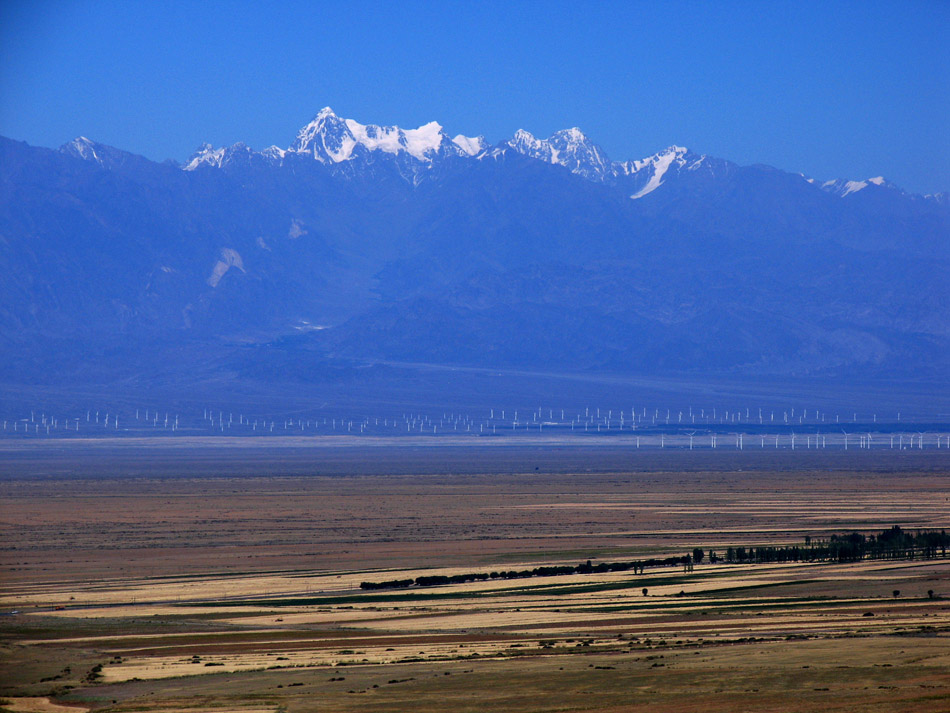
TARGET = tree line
x,y
894,543
549,571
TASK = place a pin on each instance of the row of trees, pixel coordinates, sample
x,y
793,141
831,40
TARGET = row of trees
x,y
552,571
889,544
894,543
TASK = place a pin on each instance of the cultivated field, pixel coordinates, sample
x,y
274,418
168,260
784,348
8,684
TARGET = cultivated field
x,y
226,578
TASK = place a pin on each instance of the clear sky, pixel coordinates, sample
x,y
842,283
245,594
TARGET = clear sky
x,y
832,89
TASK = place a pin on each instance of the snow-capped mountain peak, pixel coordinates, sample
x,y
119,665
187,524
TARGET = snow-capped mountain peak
x,y
573,134
841,187
333,140
579,154
206,155
569,148
656,167
666,156
81,147
94,152
524,142
330,139
471,146
419,143
274,152
326,138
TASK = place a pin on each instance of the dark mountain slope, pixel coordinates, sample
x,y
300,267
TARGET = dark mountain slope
x,y
500,258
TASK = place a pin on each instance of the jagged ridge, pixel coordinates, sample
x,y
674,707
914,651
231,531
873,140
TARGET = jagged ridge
x,y
331,139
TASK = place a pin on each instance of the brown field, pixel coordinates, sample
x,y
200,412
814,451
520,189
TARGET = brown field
x,y
226,578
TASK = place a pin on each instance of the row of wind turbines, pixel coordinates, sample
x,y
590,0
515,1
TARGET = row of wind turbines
x,y
649,427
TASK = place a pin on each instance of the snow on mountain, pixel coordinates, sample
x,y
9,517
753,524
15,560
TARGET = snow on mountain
x,y
83,148
569,148
580,155
328,138
658,165
227,258
525,143
206,155
331,140
106,156
419,143
842,188
572,149
471,146
274,153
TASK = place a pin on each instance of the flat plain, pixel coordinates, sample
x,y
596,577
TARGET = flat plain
x,y
224,576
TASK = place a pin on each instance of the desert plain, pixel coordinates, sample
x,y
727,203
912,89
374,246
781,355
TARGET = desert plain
x,y
225,576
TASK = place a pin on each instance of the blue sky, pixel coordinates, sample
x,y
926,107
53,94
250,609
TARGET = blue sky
x,y
832,89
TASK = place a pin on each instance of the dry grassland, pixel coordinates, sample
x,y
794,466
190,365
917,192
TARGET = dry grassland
x,y
169,592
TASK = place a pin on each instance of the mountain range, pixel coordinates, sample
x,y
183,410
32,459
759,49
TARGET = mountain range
x,y
363,244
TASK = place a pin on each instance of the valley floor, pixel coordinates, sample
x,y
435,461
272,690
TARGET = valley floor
x,y
230,581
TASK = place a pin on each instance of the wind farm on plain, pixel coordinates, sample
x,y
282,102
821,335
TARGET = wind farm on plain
x,y
646,427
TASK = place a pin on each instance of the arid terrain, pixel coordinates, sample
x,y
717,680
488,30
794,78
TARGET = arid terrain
x,y
226,577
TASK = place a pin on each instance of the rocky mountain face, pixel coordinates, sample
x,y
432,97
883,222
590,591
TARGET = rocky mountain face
x,y
368,243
